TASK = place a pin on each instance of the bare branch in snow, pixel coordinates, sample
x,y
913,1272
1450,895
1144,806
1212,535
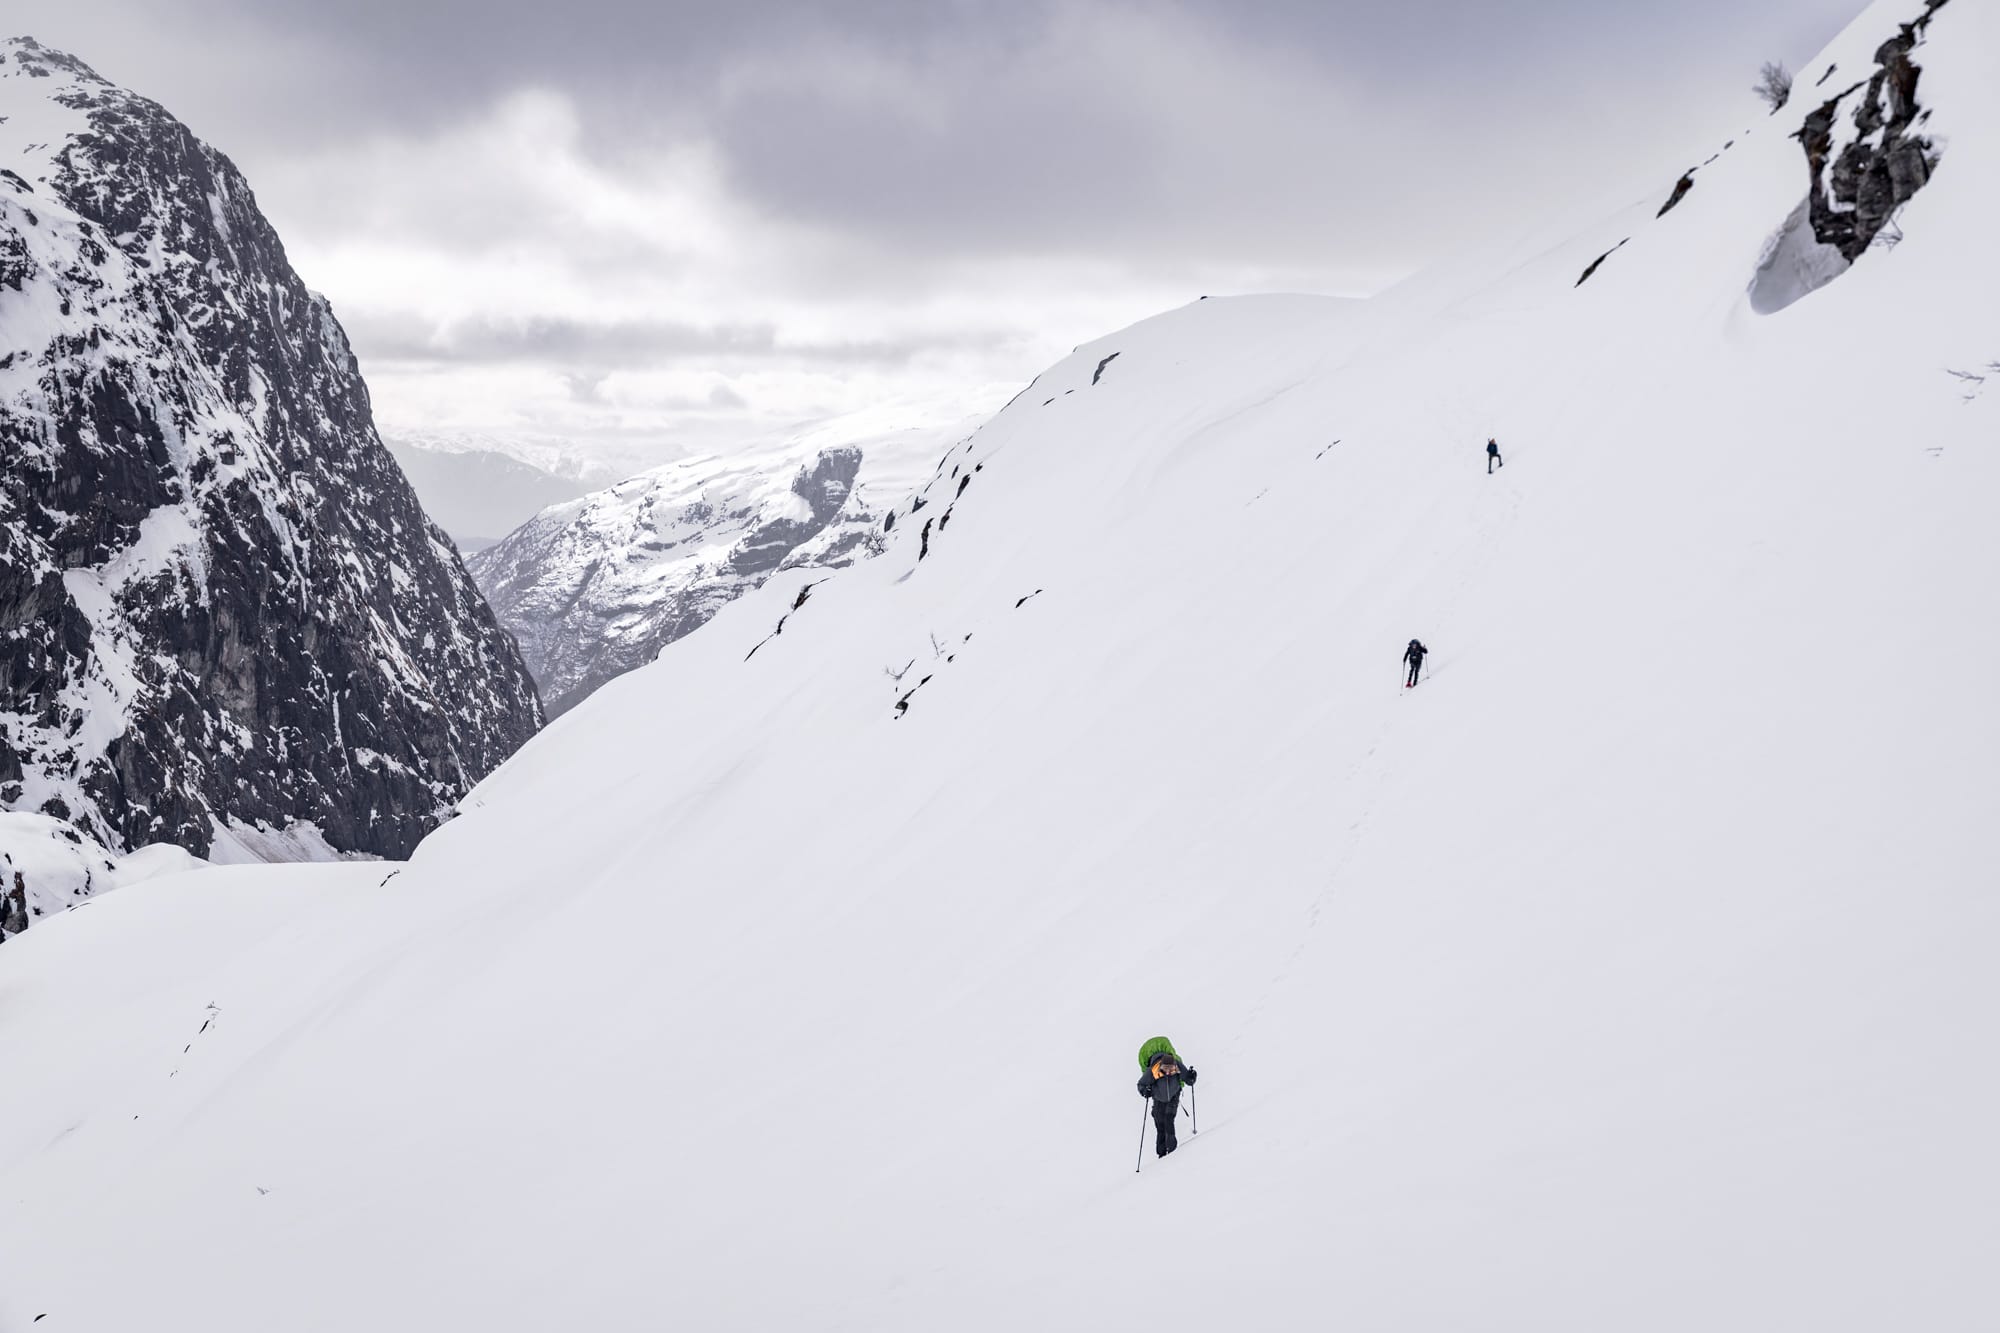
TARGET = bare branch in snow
x,y
1773,86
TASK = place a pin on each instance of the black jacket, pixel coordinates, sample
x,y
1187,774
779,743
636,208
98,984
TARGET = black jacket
x,y
1165,1091
1414,654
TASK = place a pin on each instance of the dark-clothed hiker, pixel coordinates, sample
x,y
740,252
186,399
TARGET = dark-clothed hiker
x,y
1413,656
1162,1083
1493,458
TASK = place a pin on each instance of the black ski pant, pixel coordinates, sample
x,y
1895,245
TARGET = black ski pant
x,y
1416,669
1493,461
1163,1122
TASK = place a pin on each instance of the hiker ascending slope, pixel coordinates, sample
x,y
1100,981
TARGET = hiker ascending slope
x,y
1493,458
1414,657
1161,1083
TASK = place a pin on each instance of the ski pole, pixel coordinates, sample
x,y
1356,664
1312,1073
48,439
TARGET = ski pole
x,y
1194,1111
1142,1138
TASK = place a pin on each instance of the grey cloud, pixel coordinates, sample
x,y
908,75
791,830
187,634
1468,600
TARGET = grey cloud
x,y
420,53
586,387
417,61
653,68
1365,129
587,352
893,156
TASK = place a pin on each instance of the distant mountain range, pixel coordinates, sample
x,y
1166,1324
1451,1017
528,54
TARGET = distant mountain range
x,y
479,495
598,586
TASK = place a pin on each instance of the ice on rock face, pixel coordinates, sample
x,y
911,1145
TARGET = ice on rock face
x,y
215,585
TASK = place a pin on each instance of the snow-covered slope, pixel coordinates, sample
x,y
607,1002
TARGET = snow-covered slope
x,y
1633,972
479,496
220,604
48,867
595,588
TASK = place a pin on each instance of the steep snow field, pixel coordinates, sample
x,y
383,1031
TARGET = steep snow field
x,y
1633,972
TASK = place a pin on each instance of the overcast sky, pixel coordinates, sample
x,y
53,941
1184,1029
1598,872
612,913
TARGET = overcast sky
x,y
659,223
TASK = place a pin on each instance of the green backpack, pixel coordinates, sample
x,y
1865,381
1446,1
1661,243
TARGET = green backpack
x,y
1155,1046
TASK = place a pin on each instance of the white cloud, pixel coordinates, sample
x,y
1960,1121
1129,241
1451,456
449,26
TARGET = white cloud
x,y
498,275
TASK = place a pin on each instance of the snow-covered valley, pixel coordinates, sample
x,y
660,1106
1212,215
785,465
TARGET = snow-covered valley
x,y
1629,972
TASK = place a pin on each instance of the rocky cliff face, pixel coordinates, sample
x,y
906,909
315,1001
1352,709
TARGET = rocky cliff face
x,y
220,603
595,588
1863,147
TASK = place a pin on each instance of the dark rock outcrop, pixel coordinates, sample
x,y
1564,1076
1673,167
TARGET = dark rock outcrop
x,y
824,484
219,599
1681,187
1594,264
1867,164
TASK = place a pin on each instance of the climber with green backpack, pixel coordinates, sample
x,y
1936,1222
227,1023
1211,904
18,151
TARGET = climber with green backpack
x,y
1161,1082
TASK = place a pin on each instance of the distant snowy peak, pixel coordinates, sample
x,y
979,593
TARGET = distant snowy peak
x,y
478,495
220,603
555,456
596,587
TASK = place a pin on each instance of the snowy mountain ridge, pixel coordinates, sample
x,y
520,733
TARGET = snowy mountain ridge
x,y
220,603
596,587
1628,973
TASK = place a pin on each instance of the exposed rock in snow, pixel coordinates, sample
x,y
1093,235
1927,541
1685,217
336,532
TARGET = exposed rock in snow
x,y
1681,187
219,598
1867,164
1596,263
